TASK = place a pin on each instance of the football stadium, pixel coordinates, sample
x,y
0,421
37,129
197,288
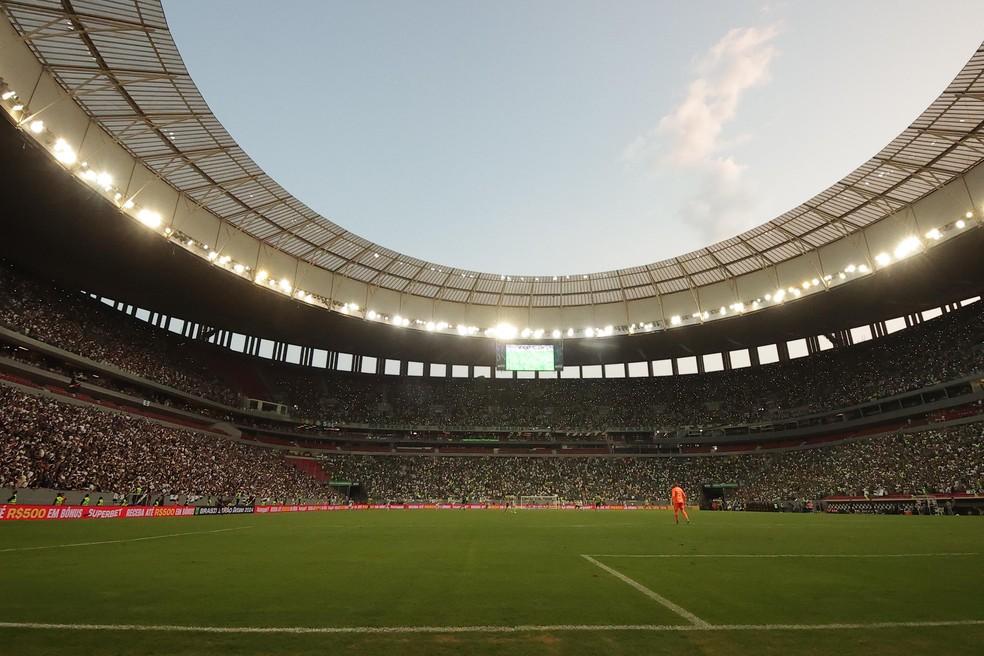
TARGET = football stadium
x,y
230,425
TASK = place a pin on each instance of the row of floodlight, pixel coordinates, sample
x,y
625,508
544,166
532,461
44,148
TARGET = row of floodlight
x,y
103,180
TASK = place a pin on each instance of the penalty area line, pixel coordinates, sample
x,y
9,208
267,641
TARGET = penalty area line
x,y
896,555
655,596
149,537
533,628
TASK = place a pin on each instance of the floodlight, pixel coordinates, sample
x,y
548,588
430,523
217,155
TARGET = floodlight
x,y
506,331
675,320
555,334
934,234
961,224
907,247
7,95
883,259
64,153
149,218
37,127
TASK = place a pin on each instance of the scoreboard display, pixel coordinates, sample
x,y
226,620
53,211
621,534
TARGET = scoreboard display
x,y
530,356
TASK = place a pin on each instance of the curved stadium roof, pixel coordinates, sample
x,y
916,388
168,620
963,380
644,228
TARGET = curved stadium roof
x,y
119,61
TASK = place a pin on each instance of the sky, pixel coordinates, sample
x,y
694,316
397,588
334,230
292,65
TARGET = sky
x,y
565,136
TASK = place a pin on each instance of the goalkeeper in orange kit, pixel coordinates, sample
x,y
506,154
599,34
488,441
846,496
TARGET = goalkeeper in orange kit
x,y
679,500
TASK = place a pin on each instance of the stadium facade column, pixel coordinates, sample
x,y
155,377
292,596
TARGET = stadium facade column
x,y
726,360
674,366
782,346
700,364
404,367
753,356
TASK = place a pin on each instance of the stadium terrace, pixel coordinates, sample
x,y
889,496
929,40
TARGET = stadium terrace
x,y
230,425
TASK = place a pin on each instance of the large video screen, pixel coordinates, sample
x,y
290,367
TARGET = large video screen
x,y
528,357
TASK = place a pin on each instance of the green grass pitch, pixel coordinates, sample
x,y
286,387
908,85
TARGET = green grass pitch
x,y
520,576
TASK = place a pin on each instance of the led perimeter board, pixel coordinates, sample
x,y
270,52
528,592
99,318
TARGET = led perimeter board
x,y
529,356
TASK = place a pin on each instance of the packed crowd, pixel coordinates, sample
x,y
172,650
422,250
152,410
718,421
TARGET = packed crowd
x,y
74,322
936,351
947,460
50,444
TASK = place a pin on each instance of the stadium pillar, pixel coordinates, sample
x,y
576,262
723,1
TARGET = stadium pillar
x,y
404,367
700,364
726,360
649,366
675,367
753,356
782,346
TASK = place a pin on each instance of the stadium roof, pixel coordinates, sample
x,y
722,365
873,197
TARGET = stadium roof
x,y
119,61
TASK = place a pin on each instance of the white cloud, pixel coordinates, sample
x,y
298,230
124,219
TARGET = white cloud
x,y
691,135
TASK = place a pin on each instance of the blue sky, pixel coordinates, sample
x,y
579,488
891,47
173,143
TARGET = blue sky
x,y
565,136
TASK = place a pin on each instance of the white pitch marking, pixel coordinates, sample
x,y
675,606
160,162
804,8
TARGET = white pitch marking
x,y
679,610
533,628
904,555
149,537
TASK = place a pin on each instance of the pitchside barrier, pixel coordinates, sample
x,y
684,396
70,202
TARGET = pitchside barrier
x,y
10,512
